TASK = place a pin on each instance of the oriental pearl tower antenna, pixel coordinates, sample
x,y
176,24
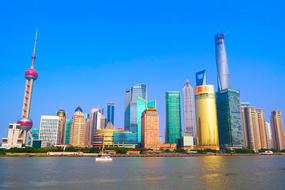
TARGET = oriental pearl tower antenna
x,y
31,75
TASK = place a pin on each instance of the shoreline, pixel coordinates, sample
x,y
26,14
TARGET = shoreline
x,y
134,155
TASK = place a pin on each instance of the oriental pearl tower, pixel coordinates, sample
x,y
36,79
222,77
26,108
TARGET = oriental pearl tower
x,y
31,75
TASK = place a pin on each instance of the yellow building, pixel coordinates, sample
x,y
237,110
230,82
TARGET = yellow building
x,y
104,136
206,118
77,131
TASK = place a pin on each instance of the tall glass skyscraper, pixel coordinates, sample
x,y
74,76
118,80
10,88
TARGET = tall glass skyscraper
x,y
67,131
222,63
229,118
173,117
201,78
131,95
110,112
189,109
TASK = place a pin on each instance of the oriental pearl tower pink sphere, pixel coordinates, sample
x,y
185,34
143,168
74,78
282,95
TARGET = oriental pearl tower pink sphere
x,y
31,75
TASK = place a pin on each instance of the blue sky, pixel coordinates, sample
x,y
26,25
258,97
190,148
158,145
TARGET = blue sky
x,y
89,52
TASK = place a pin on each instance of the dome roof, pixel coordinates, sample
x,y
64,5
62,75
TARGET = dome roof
x,y
60,112
31,74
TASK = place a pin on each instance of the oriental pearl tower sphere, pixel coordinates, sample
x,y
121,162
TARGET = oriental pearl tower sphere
x,y
31,75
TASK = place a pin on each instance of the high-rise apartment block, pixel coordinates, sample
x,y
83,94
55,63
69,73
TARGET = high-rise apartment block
x,y
254,128
278,142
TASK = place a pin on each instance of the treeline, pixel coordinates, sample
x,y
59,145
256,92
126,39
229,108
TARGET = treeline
x,y
118,150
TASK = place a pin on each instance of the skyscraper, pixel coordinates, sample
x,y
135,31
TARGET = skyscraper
x,y
229,118
67,131
206,117
277,130
31,75
201,78
141,106
131,96
150,129
87,138
49,130
254,128
189,109
77,131
173,117
97,121
222,63
110,112
62,120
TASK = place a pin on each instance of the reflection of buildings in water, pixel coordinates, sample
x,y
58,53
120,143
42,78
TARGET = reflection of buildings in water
x,y
215,173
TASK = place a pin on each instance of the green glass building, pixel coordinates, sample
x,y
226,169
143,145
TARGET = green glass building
x,y
229,119
142,105
173,117
67,131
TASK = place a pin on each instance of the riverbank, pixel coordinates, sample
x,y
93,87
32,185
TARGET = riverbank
x,y
131,155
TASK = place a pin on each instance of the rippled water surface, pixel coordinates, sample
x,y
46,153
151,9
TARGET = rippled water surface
x,y
208,172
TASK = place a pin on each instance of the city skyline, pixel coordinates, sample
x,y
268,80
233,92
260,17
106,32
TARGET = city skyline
x,y
184,56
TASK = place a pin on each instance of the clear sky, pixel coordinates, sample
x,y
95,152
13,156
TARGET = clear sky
x,y
89,52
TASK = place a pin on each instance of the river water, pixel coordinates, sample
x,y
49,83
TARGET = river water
x,y
205,172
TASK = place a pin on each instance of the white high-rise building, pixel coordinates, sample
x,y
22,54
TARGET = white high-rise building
x,y
13,140
189,117
49,130
97,121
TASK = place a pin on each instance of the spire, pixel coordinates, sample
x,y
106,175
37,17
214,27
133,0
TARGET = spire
x,y
34,51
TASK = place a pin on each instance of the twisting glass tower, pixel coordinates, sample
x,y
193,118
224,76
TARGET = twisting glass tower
x,y
31,75
222,62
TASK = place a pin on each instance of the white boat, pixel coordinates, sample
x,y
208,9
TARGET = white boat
x,y
103,158
267,152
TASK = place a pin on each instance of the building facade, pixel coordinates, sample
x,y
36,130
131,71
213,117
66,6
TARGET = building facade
x,y
229,119
49,130
173,117
62,120
131,96
97,121
77,131
13,140
123,138
189,117
150,129
277,130
206,117
254,128
67,131
142,105
222,63
111,112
